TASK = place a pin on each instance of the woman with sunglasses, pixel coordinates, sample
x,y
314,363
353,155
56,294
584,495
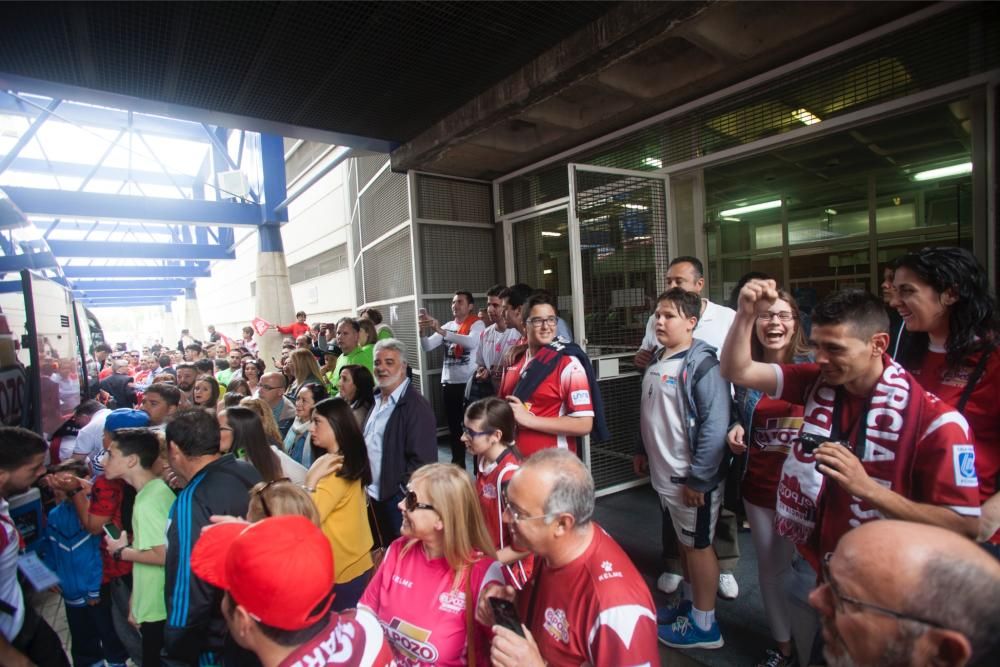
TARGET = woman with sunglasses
x,y
488,434
280,497
336,482
765,433
944,298
426,591
297,439
241,432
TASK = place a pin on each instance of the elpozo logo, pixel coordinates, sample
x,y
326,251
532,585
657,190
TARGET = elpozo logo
x,y
411,640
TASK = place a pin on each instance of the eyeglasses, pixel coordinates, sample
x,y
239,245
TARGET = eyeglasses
x,y
784,316
839,599
472,434
515,513
260,494
410,500
537,322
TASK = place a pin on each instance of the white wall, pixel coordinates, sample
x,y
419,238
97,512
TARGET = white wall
x,y
318,221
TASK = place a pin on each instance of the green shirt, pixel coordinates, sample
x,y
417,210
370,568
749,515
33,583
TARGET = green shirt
x,y
225,376
361,356
149,529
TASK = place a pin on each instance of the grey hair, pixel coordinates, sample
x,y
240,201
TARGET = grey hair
x,y
391,344
572,486
963,597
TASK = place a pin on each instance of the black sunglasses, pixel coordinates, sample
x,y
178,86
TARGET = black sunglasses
x,y
263,499
410,500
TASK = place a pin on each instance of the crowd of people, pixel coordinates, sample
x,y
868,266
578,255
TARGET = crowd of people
x,y
209,508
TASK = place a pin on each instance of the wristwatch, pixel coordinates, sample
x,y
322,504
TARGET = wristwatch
x,y
117,553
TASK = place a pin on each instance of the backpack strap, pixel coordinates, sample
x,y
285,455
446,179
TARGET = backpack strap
x,y
977,373
707,364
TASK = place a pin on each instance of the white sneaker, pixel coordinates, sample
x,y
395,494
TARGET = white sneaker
x,y
669,583
728,588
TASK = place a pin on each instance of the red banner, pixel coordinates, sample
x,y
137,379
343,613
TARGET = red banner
x,y
260,325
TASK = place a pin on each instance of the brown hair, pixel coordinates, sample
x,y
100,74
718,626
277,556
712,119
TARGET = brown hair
x,y
497,415
798,347
266,415
282,497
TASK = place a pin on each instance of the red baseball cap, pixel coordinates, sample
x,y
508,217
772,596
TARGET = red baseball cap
x,y
279,569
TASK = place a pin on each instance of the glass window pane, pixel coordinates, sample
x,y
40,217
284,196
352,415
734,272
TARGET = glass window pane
x,y
541,257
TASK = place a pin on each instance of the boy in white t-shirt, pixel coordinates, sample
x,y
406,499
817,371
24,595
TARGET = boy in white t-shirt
x,y
684,417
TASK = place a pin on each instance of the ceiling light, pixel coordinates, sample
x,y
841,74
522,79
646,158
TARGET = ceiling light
x,y
752,208
830,211
805,116
546,271
652,162
943,172
636,207
551,234
730,219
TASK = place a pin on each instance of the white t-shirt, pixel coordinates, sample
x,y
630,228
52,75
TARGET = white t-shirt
x,y
662,419
89,440
492,345
713,327
10,589
458,368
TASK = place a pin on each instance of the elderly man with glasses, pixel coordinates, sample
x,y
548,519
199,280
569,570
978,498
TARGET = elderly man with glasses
x,y
896,593
271,389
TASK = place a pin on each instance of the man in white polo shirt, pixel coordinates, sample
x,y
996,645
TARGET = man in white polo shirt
x,y
688,273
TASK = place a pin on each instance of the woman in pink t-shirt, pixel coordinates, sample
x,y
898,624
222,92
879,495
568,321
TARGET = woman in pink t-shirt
x,y
426,590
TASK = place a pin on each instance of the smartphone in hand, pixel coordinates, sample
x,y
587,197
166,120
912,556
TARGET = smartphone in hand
x,y
505,615
112,531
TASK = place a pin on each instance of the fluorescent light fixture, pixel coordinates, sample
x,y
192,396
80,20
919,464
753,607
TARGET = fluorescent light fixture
x,y
547,271
551,234
830,211
752,208
637,207
730,219
805,116
652,162
943,172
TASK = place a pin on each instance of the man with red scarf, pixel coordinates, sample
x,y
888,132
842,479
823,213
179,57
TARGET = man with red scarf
x,y
873,443
461,338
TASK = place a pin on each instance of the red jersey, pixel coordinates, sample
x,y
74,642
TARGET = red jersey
x,y
422,608
351,638
597,610
981,410
932,469
565,391
491,482
106,500
775,426
295,329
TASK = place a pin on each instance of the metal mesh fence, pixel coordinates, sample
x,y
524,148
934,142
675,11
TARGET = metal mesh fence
x,y
623,241
456,258
352,185
401,318
388,268
541,257
367,166
917,58
383,206
611,461
450,199
359,281
356,232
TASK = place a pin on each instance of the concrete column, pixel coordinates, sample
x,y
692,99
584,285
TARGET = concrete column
x,y
192,314
274,293
168,329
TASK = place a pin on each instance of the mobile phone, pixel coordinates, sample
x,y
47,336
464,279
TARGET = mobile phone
x,y
810,442
421,312
112,531
505,615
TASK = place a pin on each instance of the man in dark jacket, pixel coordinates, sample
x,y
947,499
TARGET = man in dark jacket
x,y
401,435
120,385
216,484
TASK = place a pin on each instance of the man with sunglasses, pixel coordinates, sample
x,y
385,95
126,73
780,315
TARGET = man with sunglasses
x,y
897,593
214,484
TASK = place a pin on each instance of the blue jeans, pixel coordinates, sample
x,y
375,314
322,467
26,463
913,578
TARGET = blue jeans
x,y
347,594
93,634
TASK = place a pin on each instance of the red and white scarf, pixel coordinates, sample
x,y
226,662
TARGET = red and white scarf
x,y
886,430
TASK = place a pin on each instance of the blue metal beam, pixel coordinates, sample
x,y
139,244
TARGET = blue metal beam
x,y
28,135
167,283
63,203
177,111
11,286
126,293
37,260
124,227
125,303
73,170
79,114
93,249
137,271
